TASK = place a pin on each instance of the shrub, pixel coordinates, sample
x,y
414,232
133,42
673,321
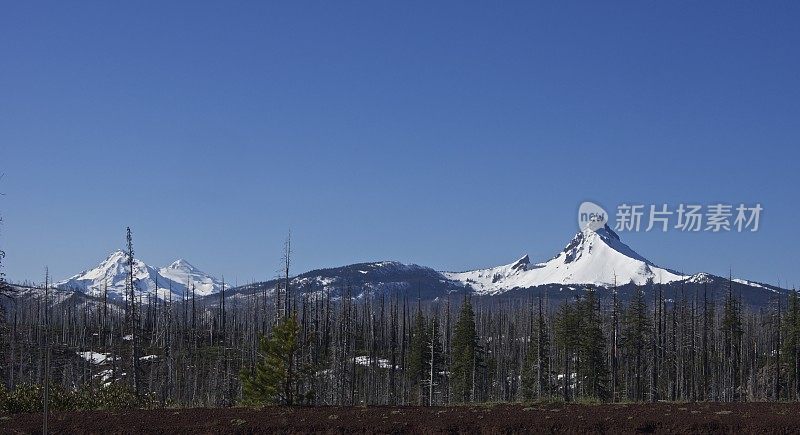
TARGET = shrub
x,y
24,398
29,398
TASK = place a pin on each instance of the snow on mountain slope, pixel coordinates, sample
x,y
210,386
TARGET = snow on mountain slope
x,y
362,279
592,257
112,273
180,271
595,257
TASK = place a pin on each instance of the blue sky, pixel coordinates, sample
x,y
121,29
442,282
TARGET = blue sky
x,y
451,134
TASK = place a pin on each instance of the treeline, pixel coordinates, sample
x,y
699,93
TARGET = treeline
x,y
394,349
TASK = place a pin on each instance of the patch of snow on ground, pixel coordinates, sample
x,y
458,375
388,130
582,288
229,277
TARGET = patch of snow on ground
x,y
365,361
94,357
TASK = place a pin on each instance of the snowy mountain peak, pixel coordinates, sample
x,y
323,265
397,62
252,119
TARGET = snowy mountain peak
x,y
117,257
119,253
112,275
596,257
605,232
182,264
586,241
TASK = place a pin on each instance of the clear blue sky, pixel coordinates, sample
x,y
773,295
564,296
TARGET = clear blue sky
x,y
452,135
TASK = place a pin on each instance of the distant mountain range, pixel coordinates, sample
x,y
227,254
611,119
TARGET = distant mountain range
x,y
596,258
112,273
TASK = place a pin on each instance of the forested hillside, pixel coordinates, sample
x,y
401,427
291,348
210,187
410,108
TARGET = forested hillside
x,y
396,349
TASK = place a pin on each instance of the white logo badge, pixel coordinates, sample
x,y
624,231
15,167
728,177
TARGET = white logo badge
x,y
592,216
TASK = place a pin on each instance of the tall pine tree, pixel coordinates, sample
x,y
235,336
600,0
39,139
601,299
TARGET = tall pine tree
x,y
465,340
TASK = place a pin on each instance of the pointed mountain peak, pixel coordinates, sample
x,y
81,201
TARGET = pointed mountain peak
x,y
115,259
587,240
116,254
522,263
181,264
593,256
605,232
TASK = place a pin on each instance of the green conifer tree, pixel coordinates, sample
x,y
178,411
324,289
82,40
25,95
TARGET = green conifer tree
x,y
593,349
280,375
465,340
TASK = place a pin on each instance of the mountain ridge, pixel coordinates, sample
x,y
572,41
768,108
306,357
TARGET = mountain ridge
x,y
593,257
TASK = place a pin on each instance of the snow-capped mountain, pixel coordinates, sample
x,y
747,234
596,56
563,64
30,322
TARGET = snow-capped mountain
x,y
593,257
182,272
112,274
596,258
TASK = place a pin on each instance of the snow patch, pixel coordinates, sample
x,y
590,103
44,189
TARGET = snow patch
x,y
96,358
365,361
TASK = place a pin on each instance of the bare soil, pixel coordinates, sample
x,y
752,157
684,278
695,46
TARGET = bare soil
x,y
506,419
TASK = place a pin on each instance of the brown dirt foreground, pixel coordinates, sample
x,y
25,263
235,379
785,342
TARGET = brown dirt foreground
x,y
549,418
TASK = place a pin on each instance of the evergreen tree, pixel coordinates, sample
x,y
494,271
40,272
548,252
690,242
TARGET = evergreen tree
x,y
465,340
593,349
418,355
530,378
280,375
